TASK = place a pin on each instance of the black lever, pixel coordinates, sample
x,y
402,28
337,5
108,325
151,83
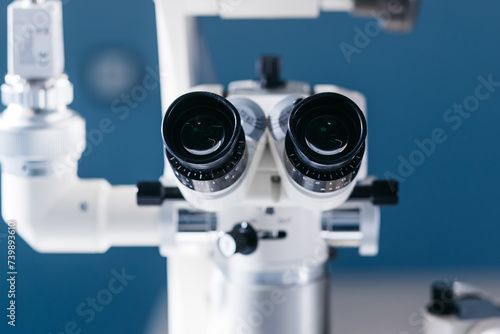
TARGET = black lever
x,y
154,193
380,192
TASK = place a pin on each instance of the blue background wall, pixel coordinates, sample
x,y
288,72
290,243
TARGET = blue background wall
x,y
449,212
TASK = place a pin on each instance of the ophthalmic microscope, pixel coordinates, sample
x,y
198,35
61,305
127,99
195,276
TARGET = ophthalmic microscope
x,y
263,179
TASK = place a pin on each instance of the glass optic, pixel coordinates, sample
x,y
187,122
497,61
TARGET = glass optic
x,y
326,135
202,135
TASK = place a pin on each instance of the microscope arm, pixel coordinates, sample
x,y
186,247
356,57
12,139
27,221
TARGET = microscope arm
x,y
72,215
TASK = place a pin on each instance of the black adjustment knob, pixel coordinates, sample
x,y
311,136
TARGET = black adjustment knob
x,y
269,71
154,193
380,192
443,298
385,192
242,239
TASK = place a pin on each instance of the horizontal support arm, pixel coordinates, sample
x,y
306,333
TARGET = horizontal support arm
x,y
77,216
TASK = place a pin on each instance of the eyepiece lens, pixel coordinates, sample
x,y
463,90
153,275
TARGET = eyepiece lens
x,y
202,135
326,135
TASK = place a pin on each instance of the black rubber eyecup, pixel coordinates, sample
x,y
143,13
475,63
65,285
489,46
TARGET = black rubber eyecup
x,y
199,104
325,104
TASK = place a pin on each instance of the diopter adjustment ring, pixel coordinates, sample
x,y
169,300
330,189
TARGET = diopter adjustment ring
x,y
215,179
321,181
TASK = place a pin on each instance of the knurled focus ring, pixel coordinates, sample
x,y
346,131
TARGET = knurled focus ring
x,y
216,179
47,95
43,143
322,181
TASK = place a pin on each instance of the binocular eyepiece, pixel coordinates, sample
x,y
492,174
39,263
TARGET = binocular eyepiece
x,y
325,142
207,147
204,141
